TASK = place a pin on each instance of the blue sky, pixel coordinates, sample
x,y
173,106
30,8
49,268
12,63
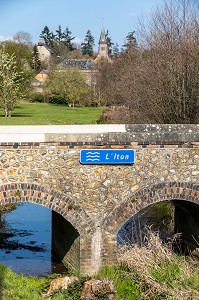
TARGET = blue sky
x,y
31,16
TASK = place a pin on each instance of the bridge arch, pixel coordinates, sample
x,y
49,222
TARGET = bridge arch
x,y
49,198
76,226
145,196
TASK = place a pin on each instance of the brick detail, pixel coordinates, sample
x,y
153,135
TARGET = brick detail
x,y
148,195
50,198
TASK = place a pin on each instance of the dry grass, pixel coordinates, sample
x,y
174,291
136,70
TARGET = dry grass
x,y
151,254
165,274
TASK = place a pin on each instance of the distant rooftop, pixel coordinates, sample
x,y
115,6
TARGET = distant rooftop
x,y
82,64
42,43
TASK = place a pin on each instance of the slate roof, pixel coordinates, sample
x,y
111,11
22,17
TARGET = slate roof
x,y
82,64
102,39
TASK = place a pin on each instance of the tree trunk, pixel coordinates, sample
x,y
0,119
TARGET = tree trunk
x,y
8,113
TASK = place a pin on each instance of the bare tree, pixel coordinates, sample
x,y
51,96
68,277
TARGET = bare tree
x,y
169,66
158,81
23,37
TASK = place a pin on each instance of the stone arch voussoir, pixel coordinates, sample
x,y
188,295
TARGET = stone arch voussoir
x,y
148,195
49,198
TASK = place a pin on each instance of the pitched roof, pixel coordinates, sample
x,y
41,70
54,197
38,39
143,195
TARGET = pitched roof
x,y
42,43
102,39
82,64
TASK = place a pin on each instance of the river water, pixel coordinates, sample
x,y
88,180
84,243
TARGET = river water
x,y
25,241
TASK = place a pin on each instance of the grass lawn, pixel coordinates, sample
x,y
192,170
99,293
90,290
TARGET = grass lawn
x,y
51,114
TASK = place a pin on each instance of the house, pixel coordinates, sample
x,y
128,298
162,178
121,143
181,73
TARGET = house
x,y
86,66
39,80
42,76
44,51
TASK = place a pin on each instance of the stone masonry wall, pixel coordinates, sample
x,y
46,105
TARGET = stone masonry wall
x,y
98,199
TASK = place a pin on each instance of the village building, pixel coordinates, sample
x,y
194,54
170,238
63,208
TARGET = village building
x,y
102,48
39,80
88,67
43,51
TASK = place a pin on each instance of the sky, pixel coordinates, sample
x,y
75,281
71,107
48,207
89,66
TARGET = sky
x,y
117,16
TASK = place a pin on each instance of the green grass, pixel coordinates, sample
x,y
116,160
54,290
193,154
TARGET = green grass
x,y
51,114
173,275
167,273
127,283
19,287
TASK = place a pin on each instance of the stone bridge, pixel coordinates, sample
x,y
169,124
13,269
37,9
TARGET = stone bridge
x,y
90,203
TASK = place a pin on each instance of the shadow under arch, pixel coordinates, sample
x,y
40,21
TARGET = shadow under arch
x,y
145,196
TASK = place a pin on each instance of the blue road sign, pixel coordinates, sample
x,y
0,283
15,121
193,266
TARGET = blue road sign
x,y
107,156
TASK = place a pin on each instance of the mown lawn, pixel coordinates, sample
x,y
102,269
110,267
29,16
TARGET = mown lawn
x,y
51,114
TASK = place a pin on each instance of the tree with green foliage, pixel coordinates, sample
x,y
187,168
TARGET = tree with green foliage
x,y
67,39
109,43
48,36
88,44
60,43
21,51
130,42
36,62
23,58
69,85
59,34
116,50
10,82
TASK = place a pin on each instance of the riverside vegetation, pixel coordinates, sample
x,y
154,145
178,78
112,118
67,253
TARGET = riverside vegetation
x,y
152,271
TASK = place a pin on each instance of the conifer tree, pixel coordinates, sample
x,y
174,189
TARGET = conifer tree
x,y
88,44
48,37
116,50
36,63
67,39
109,43
59,35
130,42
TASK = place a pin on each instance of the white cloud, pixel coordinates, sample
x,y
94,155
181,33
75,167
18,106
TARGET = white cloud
x,y
5,38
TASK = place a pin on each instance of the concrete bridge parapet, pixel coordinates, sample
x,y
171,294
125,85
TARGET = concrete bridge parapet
x,y
40,164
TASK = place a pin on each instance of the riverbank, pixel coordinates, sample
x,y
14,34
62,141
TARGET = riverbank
x,y
149,272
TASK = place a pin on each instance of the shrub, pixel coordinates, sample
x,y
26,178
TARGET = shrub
x,y
58,99
37,97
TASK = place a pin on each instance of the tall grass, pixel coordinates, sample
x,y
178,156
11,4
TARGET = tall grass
x,y
150,272
163,274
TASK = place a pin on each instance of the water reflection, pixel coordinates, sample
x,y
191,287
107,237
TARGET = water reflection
x,y
26,241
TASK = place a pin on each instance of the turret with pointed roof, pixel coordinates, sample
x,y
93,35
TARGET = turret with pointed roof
x,y
103,46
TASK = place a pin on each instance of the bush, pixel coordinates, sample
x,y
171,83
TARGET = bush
x,y
37,97
58,99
